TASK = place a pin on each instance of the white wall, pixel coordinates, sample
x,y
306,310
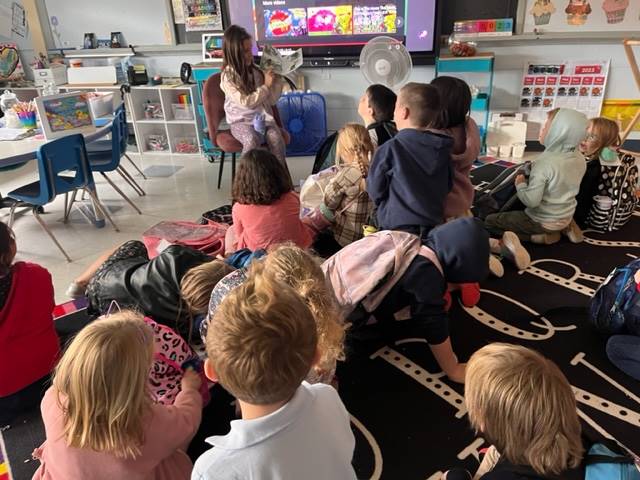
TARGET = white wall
x,y
342,87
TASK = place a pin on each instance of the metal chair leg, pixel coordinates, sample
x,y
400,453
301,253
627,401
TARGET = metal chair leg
x,y
69,205
135,166
233,167
46,229
101,207
130,180
220,168
12,214
122,194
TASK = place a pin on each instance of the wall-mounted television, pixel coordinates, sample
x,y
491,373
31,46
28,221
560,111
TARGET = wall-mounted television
x,y
332,32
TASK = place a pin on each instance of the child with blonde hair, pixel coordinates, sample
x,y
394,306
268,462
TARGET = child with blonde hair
x,y
346,201
99,419
522,404
605,168
261,344
300,270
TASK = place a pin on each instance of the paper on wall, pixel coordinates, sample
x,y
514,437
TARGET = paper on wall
x,y
178,11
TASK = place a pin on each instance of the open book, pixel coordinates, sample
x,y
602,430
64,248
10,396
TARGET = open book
x,y
281,64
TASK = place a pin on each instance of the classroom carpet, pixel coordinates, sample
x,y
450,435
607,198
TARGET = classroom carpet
x,y
408,419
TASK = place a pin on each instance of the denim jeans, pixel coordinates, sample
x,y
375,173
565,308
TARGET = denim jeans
x,y
624,352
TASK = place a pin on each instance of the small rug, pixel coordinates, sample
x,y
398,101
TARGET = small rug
x,y
162,170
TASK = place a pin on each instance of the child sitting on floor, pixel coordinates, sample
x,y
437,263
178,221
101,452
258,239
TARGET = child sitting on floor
x,y
550,191
376,108
386,272
455,97
29,345
260,345
99,419
172,288
301,271
266,210
346,201
249,94
523,404
411,174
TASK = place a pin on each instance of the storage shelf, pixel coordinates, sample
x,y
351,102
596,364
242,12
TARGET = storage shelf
x,y
157,152
181,122
151,121
556,38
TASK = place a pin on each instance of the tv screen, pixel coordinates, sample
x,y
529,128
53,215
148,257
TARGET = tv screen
x,y
328,28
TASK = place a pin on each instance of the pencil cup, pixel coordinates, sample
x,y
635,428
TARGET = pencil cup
x,y
27,119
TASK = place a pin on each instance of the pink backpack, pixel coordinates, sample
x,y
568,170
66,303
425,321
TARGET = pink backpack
x,y
171,352
208,238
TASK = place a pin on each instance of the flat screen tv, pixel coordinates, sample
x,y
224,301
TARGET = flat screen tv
x,y
330,29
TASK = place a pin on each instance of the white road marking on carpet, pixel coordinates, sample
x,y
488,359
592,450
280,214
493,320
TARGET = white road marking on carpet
x,y
377,453
432,381
569,283
580,359
502,327
607,406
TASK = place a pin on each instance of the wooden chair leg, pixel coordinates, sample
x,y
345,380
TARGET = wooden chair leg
x,y
122,194
222,154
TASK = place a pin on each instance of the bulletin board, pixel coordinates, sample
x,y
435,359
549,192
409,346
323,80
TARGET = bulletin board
x,y
582,15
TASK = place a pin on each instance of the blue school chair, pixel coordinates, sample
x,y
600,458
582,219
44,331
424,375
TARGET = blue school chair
x,y
56,161
104,161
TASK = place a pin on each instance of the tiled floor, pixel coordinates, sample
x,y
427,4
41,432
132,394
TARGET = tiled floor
x,y
183,196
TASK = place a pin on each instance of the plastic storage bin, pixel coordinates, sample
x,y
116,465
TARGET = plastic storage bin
x,y
156,143
182,111
186,145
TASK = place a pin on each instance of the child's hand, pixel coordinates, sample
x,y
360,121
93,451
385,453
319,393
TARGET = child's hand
x,y
191,380
269,78
457,373
520,179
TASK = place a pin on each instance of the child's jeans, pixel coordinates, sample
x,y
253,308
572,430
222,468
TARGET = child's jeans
x,y
624,352
517,222
250,139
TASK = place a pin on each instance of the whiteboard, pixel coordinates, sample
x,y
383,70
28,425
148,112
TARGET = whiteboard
x,y
142,22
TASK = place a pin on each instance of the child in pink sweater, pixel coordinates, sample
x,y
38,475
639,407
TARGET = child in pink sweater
x,y
100,421
266,210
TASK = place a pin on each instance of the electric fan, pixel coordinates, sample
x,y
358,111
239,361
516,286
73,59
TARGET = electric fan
x,y
304,116
385,60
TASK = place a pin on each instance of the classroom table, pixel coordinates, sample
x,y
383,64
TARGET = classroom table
x,y
16,152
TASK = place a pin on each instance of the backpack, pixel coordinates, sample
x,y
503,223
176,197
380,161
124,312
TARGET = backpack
x,y
312,191
171,356
208,239
326,156
615,307
618,183
607,461
500,195
220,214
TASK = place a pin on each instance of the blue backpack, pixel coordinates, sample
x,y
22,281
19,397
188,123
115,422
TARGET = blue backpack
x,y
615,307
609,462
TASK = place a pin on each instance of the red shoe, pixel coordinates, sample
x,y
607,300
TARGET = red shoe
x,y
447,301
470,294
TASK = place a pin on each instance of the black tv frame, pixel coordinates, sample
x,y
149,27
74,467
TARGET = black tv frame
x,y
349,56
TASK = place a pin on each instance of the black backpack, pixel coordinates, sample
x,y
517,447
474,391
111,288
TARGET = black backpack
x,y
326,156
500,195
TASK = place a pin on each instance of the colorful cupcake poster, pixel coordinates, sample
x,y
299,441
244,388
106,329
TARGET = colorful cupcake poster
x,y
615,10
578,12
542,11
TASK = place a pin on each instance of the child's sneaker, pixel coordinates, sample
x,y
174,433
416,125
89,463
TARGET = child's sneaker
x,y
546,238
573,232
495,266
513,250
75,290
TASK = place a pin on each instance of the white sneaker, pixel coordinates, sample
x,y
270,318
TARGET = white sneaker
x,y
514,251
495,266
75,290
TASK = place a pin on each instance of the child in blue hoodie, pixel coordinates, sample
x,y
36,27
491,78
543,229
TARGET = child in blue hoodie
x,y
410,175
549,194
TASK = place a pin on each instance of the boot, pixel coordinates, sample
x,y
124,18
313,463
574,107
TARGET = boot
x,y
546,238
573,232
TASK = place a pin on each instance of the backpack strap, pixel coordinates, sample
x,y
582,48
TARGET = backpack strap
x,y
594,459
431,255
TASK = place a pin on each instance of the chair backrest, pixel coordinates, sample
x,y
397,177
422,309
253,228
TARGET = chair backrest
x,y
66,154
213,101
121,114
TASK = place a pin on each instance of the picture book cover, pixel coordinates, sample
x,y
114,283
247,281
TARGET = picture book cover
x,y
330,20
285,22
375,19
67,113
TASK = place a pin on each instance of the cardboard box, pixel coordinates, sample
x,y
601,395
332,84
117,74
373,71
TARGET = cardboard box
x,y
92,75
56,74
